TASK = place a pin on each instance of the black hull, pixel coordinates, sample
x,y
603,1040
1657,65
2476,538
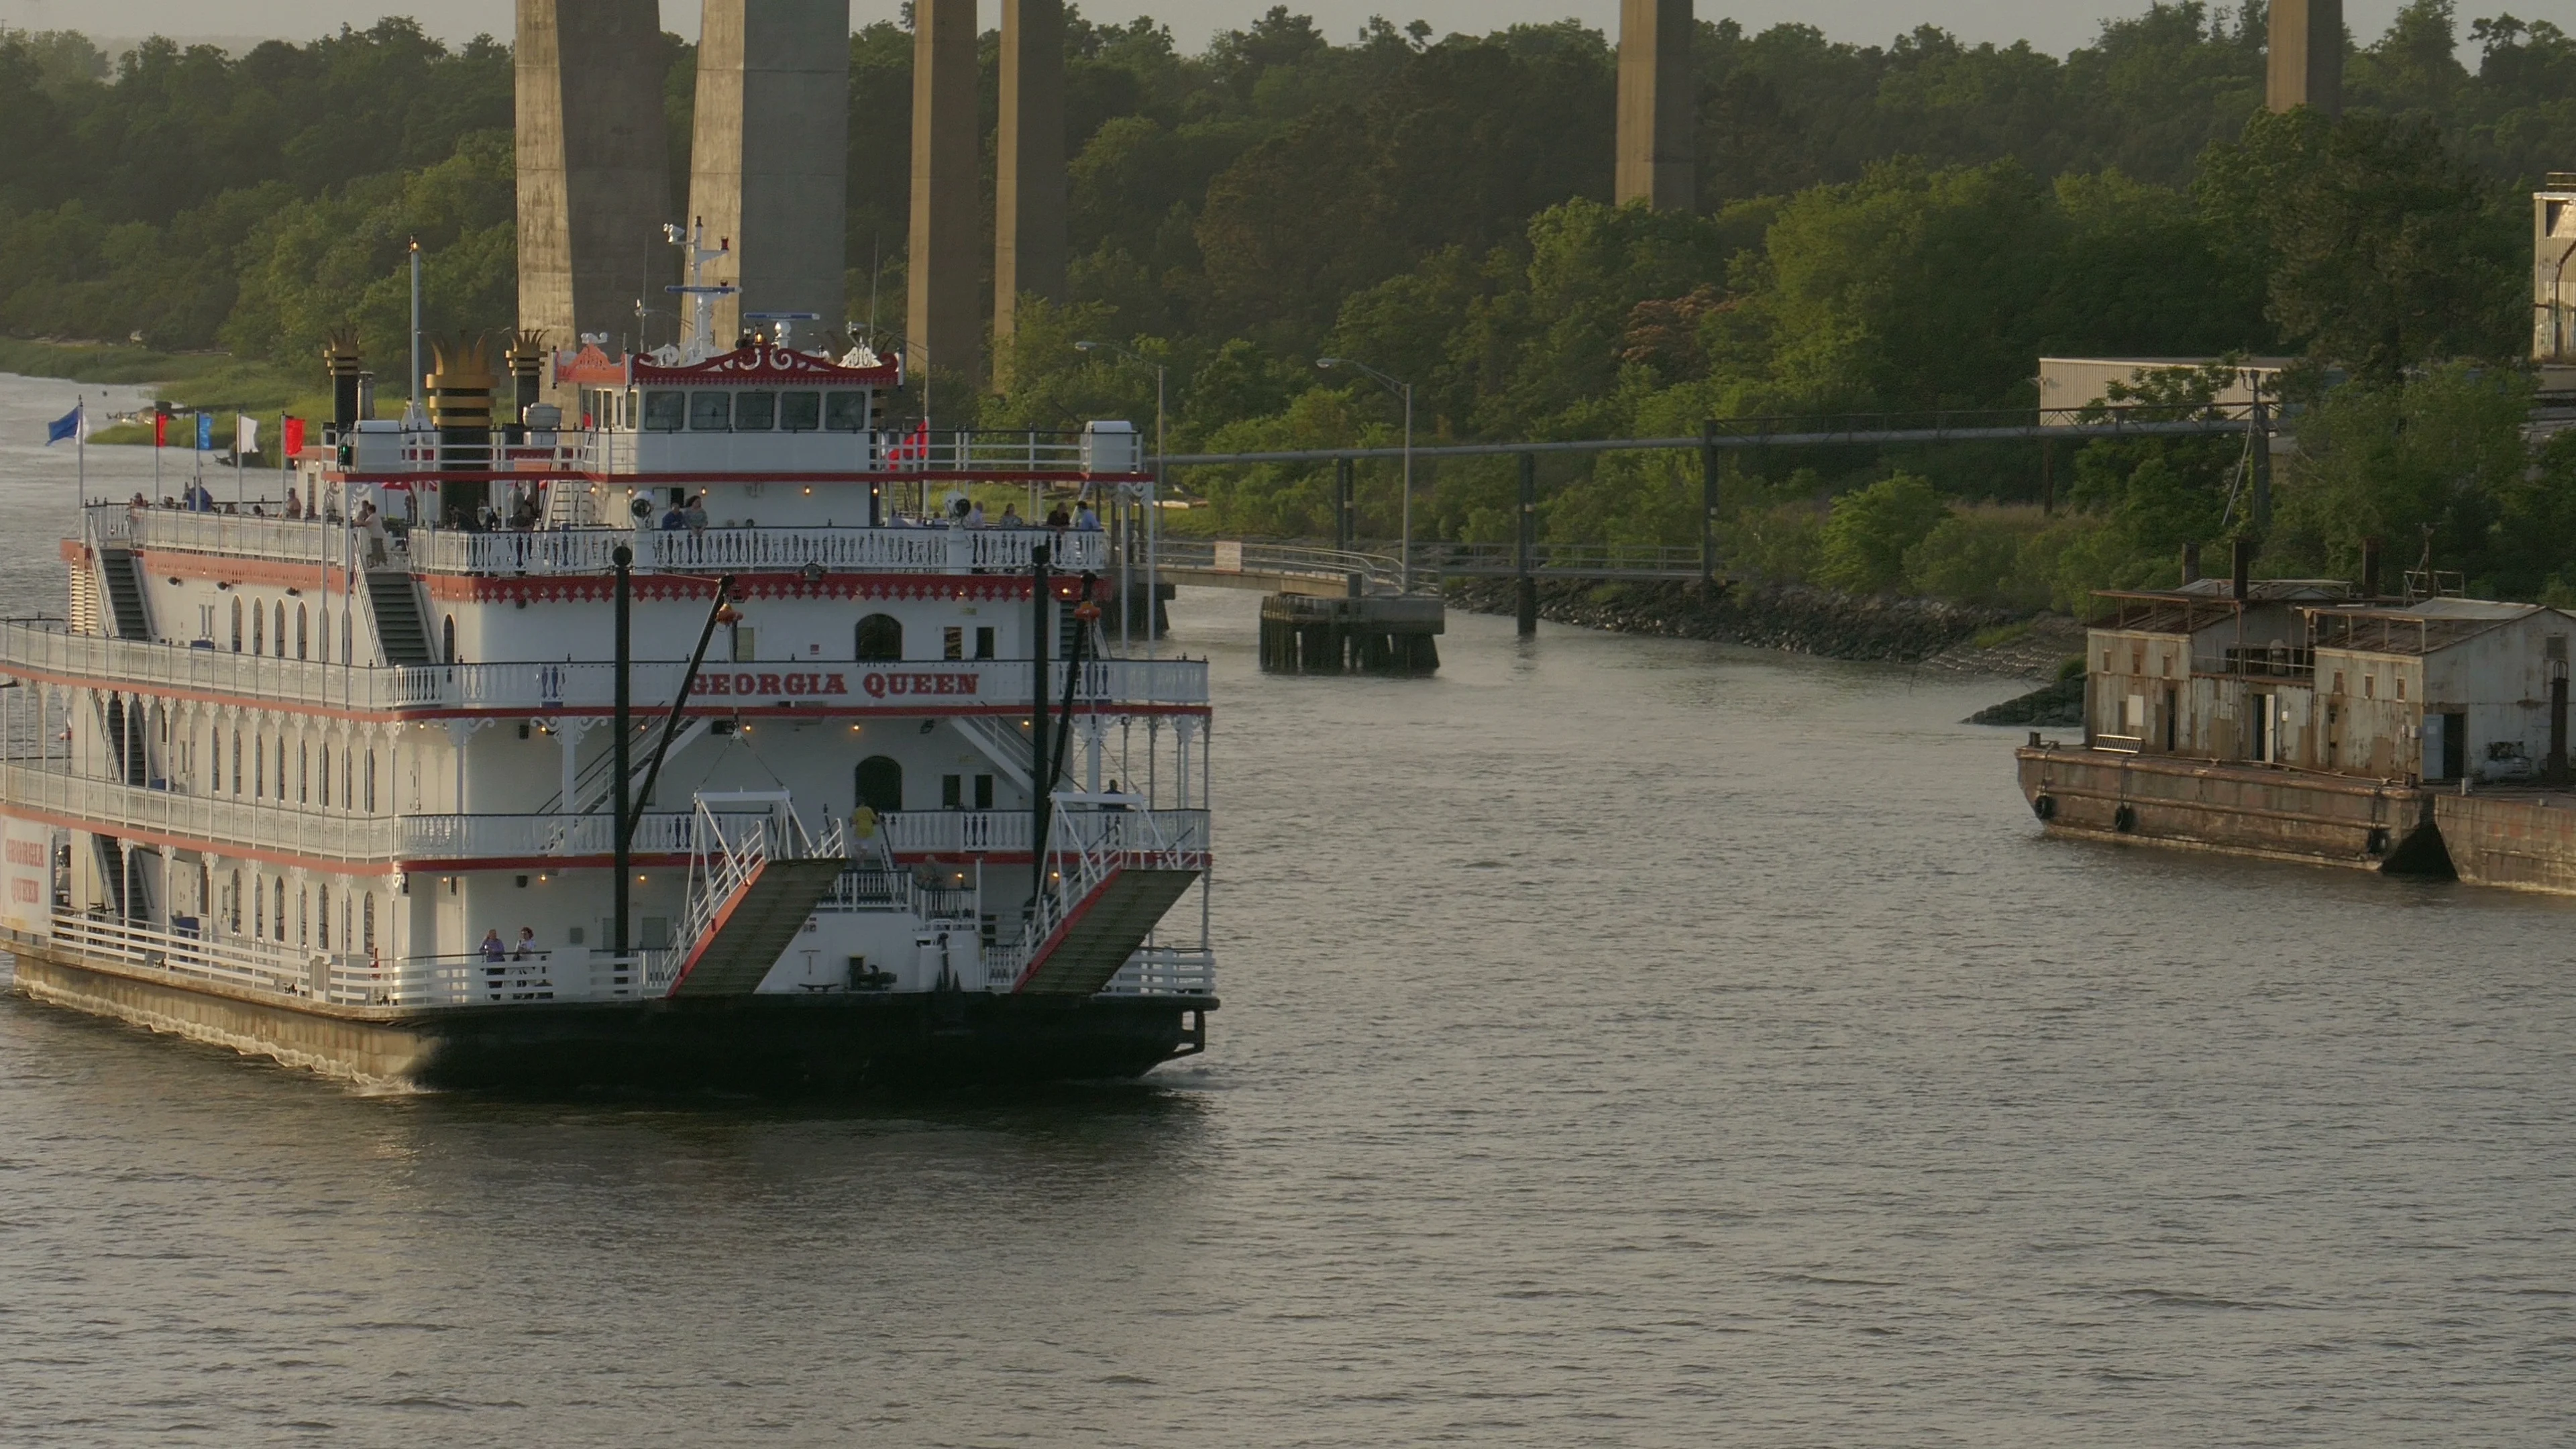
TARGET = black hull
x,y
830,1044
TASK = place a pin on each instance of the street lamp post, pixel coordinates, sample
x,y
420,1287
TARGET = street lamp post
x,y
1153,509
1404,390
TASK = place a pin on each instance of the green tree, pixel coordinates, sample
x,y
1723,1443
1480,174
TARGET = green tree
x,y
1867,536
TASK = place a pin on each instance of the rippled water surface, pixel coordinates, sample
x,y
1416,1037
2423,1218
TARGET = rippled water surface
x,y
1625,1042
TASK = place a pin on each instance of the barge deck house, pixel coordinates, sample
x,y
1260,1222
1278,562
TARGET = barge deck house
x,y
2291,718
333,777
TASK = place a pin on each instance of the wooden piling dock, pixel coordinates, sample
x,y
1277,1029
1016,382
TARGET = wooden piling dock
x,y
1370,634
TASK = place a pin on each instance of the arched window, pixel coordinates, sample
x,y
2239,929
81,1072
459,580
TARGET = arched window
x,y
344,638
370,922
215,752
881,784
259,767
880,638
280,636
371,809
303,773
258,630
258,909
237,625
326,775
300,611
232,906
447,640
278,916
237,774
322,912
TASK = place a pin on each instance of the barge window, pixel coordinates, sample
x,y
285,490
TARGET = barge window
x,y
665,410
880,638
755,412
844,410
800,412
880,784
711,411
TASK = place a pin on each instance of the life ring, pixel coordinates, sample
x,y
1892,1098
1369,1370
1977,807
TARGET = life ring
x,y
2124,819
2044,806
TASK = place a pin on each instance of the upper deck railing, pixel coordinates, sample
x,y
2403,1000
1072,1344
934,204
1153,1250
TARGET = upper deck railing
x,y
48,649
891,452
589,550
224,820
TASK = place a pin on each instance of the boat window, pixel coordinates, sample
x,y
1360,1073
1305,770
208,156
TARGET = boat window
x,y
881,784
755,412
845,410
880,637
711,411
281,629
800,412
664,410
302,625
237,632
258,630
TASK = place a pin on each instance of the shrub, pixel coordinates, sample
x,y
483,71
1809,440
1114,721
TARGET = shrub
x,y
1863,544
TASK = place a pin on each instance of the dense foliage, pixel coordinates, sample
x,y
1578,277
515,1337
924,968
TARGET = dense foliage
x,y
1892,227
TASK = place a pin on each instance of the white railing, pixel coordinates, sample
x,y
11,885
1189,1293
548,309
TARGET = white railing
x,y
276,969
952,832
876,550
588,550
1165,971
893,451
50,649
117,808
291,540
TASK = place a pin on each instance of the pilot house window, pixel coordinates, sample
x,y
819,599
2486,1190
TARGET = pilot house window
x,y
664,411
755,412
711,411
845,411
800,412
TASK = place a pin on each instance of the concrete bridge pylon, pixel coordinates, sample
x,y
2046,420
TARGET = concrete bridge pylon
x,y
594,183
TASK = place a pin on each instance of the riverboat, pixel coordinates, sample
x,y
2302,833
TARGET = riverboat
x,y
669,729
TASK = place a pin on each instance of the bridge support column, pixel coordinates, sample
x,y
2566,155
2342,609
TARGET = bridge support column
x,y
1527,587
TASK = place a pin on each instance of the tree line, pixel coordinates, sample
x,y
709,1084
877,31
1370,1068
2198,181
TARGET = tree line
x,y
1896,226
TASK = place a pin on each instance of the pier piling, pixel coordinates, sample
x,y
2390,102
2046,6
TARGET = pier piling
x,y
1376,634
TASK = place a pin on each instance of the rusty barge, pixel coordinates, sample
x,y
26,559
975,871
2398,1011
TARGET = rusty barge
x,y
2309,720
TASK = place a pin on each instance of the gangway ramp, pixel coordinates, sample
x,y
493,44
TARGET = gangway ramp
x,y
1103,930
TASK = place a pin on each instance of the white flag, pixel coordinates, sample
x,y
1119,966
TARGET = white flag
x,y
245,435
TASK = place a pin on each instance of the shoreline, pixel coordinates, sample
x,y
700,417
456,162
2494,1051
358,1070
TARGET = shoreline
x,y
1803,619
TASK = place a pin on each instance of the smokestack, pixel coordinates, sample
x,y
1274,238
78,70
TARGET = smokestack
x,y
2370,568
2191,563
2244,568
527,360
340,358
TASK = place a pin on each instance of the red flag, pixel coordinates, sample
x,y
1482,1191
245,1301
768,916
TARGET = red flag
x,y
294,431
160,430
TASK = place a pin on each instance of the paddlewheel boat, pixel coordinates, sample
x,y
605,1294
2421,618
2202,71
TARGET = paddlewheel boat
x,y
679,733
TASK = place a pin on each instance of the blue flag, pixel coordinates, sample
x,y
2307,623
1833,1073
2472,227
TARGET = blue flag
x,y
205,432
66,426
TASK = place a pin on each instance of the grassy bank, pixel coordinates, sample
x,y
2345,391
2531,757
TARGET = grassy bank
x,y
212,381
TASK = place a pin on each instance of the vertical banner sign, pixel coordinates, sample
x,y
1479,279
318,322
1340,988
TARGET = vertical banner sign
x,y
26,877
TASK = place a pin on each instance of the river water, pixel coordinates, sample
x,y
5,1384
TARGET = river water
x,y
1626,1042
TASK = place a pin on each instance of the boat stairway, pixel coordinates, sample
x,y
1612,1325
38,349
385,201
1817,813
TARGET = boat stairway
x,y
755,926
751,891
1102,930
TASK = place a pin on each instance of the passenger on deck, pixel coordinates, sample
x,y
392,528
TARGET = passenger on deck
x,y
674,520
695,515
493,950
1058,518
526,949
1011,517
294,505
1086,521
524,517
975,515
199,500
